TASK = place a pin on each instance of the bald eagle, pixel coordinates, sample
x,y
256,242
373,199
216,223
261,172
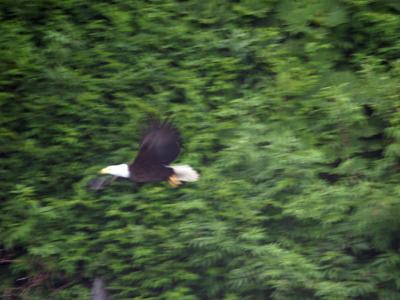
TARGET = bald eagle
x,y
160,146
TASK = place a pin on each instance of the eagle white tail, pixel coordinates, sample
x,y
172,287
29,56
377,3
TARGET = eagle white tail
x,y
185,173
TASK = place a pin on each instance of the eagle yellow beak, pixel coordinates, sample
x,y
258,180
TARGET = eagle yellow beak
x,y
104,171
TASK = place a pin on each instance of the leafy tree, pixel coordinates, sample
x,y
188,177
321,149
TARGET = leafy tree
x,y
289,109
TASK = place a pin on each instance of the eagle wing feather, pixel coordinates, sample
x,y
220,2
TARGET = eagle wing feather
x,y
160,146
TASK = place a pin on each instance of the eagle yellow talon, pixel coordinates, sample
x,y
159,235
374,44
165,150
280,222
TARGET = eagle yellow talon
x,y
174,181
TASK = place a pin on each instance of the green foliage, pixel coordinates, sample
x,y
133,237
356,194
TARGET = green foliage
x,y
289,110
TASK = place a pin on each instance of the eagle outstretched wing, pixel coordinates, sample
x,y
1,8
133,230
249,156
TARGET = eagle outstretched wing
x,y
160,146
161,143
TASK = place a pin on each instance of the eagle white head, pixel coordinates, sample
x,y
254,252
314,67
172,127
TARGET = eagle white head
x,y
121,170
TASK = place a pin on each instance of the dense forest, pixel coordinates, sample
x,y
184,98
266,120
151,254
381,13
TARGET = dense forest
x,y
290,110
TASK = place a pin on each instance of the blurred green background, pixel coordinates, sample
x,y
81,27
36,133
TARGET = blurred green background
x,y
289,109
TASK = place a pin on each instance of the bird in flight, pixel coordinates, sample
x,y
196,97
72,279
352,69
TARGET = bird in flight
x,y
160,146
